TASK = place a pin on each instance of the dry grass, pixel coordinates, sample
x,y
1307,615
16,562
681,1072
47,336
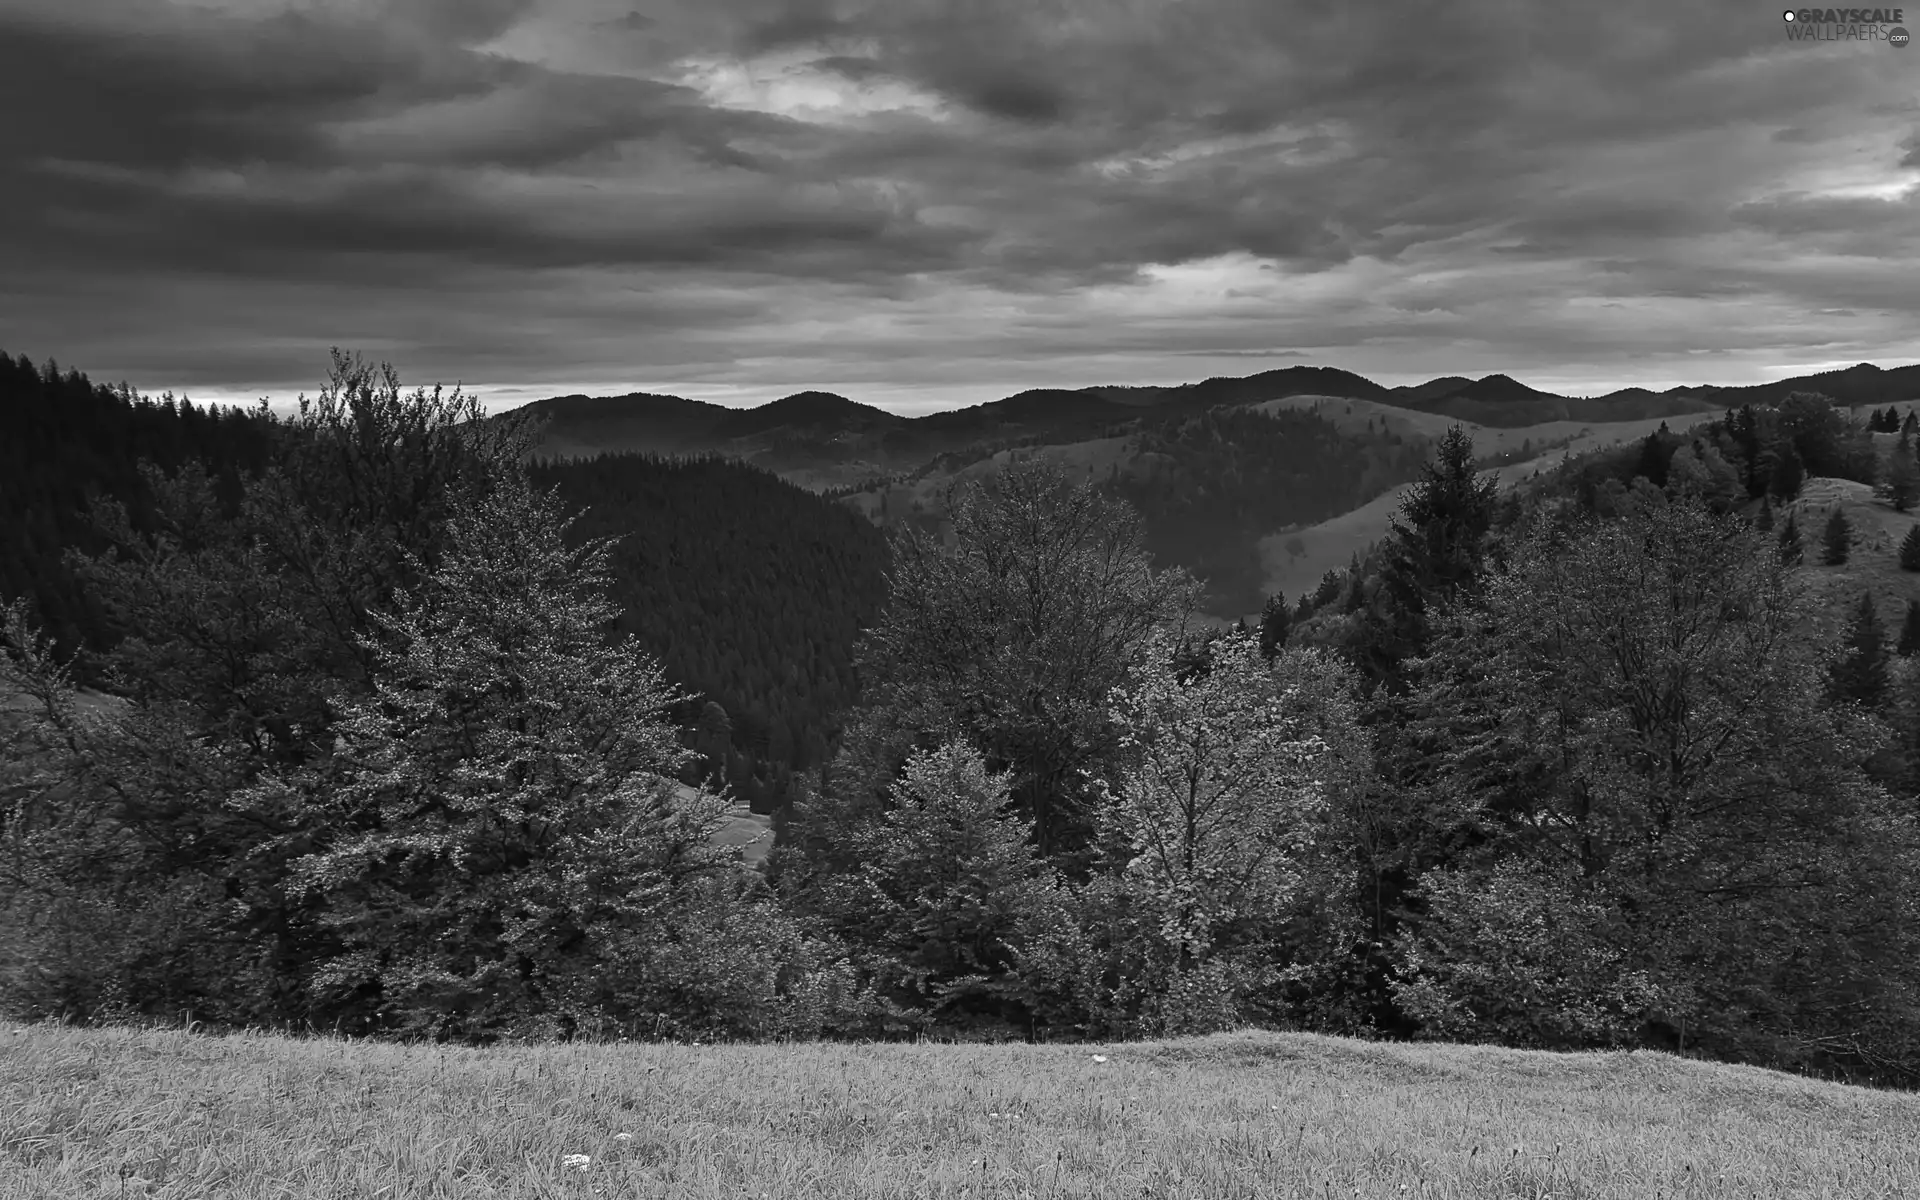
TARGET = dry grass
x,y
169,1114
1873,564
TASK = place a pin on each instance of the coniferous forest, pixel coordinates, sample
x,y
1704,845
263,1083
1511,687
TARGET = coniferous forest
x,y
351,719
1227,471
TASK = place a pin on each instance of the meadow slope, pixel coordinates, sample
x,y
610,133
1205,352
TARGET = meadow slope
x,y
123,1112
1295,560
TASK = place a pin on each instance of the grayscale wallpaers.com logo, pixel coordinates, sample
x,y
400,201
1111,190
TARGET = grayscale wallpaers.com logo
x,y
1847,25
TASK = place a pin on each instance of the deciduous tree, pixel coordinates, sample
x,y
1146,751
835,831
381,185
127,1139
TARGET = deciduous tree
x,y
1221,793
1012,633
1637,716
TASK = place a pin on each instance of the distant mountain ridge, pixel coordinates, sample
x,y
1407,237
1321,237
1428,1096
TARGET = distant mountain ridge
x,y
823,440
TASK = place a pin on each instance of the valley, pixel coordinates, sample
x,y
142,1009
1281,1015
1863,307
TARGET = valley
x,y
1211,509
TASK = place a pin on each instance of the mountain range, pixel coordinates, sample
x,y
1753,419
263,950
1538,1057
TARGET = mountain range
x,y
822,440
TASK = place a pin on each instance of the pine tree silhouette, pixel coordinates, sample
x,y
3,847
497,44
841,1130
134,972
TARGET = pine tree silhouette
x,y
1273,626
1837,541
1861,676
1789,472
1909,631
1910,550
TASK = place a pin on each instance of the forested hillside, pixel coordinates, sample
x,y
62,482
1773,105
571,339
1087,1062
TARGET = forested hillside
x,y
748,589
1209,487
63,439
1585,764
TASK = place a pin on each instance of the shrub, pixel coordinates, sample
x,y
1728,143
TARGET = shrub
x,y
1515,956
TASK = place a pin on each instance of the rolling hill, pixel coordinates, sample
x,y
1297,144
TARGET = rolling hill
x,y
1295,560
821,440
1255,541
1214,508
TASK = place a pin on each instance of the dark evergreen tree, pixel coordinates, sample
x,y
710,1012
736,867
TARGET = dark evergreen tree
x,y
1860,675
946,885
1434,554
1837,541
1903,482
1789,472
1790,547
1910,550
1354,598
1911,423
1655,454
1329,589
1274,626
65,440
1743,428
1909,631
712,740
1760,470
1819,431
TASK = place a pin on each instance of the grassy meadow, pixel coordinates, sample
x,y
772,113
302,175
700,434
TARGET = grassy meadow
x,y
1295,559
166,1113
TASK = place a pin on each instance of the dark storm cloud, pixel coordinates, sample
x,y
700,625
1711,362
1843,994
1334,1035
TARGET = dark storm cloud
x,y
167,86
1552,177
777,26
547,118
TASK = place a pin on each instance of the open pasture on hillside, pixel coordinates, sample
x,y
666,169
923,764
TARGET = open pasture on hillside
x,y
123,1112
1295,560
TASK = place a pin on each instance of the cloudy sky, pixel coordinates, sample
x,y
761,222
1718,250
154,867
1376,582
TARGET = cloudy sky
x,y
926,203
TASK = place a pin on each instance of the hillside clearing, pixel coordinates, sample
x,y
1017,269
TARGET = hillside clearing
x,y
108,1112
1873,564
1295,560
